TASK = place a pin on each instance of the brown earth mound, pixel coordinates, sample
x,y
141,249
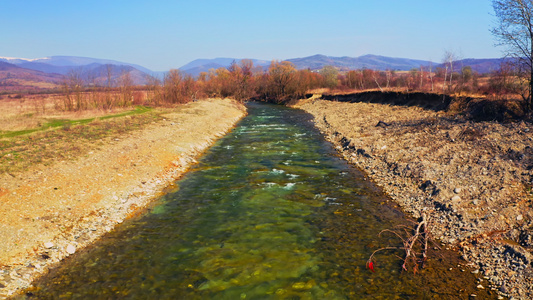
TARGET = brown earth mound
x,y
473,108
427,101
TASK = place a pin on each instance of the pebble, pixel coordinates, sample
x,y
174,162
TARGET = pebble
x,y
48,245
479,286
456,198
519,218
457,190
71,249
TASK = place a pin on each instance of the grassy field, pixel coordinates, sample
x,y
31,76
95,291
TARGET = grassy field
x,y
33,132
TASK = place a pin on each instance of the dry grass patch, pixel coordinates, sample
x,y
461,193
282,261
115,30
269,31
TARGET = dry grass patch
x,y
69,140
29,112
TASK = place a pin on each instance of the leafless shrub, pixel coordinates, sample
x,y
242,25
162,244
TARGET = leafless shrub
x,y
415,241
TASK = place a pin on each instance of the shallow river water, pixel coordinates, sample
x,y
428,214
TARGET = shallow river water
x,y
270,212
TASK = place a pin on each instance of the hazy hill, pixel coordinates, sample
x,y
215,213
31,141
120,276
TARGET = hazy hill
x,y
316,62
15,78
7,66
485,65
89,68
197,66
62,64
98,74
374,62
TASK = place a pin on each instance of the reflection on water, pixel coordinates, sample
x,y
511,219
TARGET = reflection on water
x,y
269,213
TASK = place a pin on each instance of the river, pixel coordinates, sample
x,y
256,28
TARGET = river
x,y
269,212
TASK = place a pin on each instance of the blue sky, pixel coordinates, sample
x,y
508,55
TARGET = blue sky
x,y
161,35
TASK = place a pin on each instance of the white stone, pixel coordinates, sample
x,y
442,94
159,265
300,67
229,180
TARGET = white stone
x,y
48,245
71,249
519,218
456,198
457,190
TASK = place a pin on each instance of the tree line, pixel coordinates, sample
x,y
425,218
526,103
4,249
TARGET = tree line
x,y
280,83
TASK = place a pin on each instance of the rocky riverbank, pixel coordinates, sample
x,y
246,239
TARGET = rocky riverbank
x,y
473,179
49,213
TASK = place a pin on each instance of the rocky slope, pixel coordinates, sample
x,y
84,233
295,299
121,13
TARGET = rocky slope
x,y
473,179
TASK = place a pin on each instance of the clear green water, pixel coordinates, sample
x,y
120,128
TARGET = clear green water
x,y
270,212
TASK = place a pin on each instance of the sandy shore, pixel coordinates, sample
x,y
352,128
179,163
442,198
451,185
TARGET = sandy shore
x,y
48,213
472,178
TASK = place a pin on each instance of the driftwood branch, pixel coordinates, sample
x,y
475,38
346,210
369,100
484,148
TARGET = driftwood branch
x,y
413,239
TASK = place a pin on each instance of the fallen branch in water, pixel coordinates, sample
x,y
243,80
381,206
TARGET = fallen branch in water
x,y
410,237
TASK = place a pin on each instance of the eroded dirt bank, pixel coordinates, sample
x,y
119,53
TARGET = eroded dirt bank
x,y
48,213
472,178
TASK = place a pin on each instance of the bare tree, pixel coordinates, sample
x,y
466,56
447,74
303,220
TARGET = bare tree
x,y
281,76
108,90
388,75
172,87
330,74
126,88
430,68
448,60
154,89
73,89
375,76
515,30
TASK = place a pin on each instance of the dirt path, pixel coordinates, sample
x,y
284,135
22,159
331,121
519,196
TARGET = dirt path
x,y
47,213
473,178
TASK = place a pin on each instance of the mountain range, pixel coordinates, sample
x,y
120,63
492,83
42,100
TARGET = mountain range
x,y
382,63
64,64
17,73
21,73
14,78
374,62
195,67
369,61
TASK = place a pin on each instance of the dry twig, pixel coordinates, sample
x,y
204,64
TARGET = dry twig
x,y
420,234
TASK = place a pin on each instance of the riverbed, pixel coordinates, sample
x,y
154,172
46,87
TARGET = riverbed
x,y
269,212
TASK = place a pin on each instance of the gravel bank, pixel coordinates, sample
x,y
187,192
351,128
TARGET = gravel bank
x,y
48,213
473,178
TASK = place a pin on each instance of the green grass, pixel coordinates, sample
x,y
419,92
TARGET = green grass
x,y
54,123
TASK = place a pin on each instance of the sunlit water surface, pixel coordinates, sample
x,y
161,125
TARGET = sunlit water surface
x,y
270,212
